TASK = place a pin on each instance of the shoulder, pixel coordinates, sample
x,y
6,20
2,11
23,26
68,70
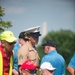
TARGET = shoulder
x,y
23,47
73,56
56,56
60,56
16,46
23,50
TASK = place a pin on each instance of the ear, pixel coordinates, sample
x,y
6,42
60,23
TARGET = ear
x,y
48,48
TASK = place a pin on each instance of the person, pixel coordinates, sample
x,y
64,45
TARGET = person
x,y
15,60
71,66
21,41
28,51
7,44
29,68
53,57
47,69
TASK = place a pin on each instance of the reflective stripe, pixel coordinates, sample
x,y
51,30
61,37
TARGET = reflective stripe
x,y
1,65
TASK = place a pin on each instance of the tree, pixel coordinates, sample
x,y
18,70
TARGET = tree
x,y
3,24
65,40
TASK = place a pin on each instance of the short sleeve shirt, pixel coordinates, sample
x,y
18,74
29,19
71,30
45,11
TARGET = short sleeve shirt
x,y
72,62
27,52
56,60
15,63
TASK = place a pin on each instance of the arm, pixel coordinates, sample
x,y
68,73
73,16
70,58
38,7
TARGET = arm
x,y
22,56
15,63
14,72
70,70
33,55
71,65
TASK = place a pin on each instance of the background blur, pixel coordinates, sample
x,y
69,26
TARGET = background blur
x,y
55,14
56,18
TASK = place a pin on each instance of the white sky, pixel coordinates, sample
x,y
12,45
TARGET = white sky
x,y
57,14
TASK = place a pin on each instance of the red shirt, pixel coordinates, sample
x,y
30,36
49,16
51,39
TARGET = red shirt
x,y
6,60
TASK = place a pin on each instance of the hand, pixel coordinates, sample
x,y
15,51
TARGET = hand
x,y
15,72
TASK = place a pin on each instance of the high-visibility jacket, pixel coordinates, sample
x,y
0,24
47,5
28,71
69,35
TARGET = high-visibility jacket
x,y
1,64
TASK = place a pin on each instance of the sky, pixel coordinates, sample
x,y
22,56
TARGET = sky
x,y
24,14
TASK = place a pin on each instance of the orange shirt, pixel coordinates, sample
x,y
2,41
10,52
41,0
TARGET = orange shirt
x,y
6,73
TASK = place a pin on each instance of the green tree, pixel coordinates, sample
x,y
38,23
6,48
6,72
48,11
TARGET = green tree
x,y
65,40
3,24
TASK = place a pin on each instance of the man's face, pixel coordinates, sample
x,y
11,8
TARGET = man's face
x,y
46,49
46,72
27,72
21,41
34,40
8,46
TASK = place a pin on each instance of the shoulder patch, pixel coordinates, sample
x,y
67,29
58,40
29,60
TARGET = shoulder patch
x,y
20,56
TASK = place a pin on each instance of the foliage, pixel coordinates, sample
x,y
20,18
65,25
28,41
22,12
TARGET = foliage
x,y
3,24
65,40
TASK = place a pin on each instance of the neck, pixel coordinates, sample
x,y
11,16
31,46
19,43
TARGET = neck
x,y
6,52
52,48
31,44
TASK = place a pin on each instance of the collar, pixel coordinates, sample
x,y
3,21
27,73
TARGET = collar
x,y
30,47
52,51
3,54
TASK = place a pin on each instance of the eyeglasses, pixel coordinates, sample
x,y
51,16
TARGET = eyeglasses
x,y
32,72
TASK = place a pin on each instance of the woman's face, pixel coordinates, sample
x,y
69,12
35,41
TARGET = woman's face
x,y
21,41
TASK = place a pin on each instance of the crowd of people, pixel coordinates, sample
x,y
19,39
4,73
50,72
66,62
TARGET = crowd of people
x,y
19,56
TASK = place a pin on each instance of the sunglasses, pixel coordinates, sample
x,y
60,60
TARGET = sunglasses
x,y
32,71
11,43
50,71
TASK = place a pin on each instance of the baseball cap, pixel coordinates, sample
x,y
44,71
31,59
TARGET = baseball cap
x,y
47,65
29,65
49,43
34,31
8,36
